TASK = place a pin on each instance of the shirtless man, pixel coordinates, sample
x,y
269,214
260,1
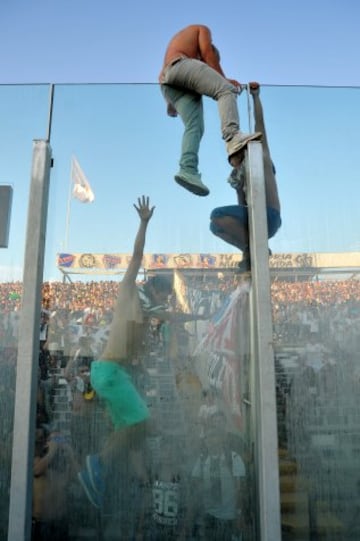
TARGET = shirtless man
x,y
191,70
230,223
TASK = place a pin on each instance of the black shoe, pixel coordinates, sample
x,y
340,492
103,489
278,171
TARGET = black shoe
x,y
244,265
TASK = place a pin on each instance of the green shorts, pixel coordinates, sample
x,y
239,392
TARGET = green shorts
x,y
114,385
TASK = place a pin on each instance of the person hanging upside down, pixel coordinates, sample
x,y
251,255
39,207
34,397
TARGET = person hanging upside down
x,y
230,223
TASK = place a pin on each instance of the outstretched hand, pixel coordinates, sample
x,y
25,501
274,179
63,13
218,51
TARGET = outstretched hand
x,y
143,209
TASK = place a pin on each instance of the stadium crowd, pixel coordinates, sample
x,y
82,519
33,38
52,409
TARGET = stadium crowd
x,y
91,303
75,319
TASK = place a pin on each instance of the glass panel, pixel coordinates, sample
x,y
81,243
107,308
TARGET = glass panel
x,y
127,147
23,113
315,301
192,376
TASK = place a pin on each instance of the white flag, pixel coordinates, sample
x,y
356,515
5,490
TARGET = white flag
x,y
81,187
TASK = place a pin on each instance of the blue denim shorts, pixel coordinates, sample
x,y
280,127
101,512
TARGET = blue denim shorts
x,y
240,213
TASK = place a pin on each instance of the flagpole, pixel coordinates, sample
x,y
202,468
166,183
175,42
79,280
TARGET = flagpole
x,y
67,224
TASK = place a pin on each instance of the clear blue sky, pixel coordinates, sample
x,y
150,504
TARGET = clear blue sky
x,y
274,42
126,144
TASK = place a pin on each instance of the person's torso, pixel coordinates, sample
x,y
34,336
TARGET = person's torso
x,y
167,509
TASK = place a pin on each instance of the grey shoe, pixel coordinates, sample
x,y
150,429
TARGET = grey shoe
x,y
237,144
192,182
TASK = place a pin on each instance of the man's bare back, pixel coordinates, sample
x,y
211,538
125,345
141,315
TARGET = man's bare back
x,y
194,41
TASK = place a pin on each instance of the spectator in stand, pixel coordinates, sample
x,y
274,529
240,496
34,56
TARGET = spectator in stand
x,y
44,327
82,399
207,409
218,491
164,509
53,468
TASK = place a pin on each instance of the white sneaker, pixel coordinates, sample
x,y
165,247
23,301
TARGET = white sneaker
x,y
192,182
237,144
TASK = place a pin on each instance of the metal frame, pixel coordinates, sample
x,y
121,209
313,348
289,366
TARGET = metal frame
x,y
6,196
264,395
28,347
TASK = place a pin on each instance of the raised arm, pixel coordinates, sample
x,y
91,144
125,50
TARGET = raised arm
x,y
259,115
127,308
272,196
145,213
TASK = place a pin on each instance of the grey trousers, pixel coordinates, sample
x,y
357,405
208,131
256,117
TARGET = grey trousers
x,y
183,84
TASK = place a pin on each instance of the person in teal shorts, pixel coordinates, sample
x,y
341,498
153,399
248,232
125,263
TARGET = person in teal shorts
x,y
110,376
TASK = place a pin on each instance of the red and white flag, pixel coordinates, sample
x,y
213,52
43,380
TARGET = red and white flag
x,y
81,187
224,350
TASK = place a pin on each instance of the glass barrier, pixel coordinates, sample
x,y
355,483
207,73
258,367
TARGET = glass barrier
x,y
315,301
185,425
23,113
127,147
181,457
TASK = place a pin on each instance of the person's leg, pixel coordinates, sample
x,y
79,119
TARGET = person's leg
x,y
273,221
200,78
230,231
128,412
190,108
230,223
130,439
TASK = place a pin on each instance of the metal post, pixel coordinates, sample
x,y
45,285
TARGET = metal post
x,y
265,422
28,348
6,193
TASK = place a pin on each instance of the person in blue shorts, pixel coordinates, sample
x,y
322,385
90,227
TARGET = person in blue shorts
x,y
230,223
